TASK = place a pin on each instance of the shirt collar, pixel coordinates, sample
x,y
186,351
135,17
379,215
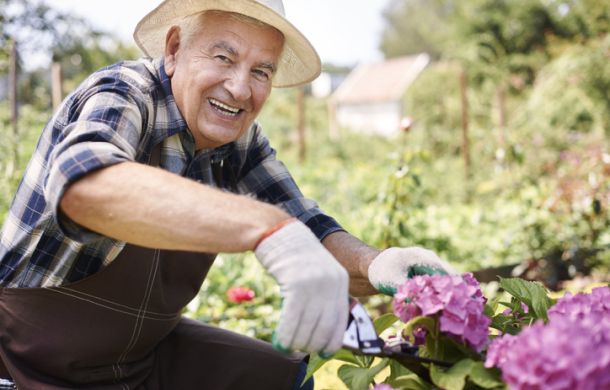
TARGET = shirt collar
x,y
175,121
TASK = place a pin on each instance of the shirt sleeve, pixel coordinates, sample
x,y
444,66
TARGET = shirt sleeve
x,y
102,129
269,180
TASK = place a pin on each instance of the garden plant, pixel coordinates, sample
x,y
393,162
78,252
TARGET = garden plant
x,y
522,339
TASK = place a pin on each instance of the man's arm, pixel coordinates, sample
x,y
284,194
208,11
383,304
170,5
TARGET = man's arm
x,y
151,207
355,256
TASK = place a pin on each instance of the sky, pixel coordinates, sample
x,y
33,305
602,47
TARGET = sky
x,y
345,32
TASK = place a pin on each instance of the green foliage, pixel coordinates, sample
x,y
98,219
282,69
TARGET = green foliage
x,y
582,19
417,26
359,378
455,378
466,368
532,294
578,83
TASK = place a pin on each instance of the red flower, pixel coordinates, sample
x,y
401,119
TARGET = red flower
x,y
240,294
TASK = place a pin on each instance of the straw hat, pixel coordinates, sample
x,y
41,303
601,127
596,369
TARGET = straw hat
x,y
299,62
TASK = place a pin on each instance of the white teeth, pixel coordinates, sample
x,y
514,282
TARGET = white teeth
x,y
230,110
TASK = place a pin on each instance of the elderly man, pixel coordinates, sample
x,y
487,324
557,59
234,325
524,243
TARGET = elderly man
x,y
148,169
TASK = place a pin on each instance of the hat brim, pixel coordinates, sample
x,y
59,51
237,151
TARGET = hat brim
x,y
299,62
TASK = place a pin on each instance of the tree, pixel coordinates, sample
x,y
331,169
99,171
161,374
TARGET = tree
x,y
416,26
37,27
582,20
63,37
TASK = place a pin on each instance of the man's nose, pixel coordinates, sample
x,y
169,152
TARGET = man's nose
x,y
238,85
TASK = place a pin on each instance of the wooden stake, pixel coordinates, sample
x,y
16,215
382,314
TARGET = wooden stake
x,y
14,104
465,135
301,122
56,85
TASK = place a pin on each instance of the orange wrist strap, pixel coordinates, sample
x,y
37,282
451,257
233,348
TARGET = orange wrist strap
x,y
274,229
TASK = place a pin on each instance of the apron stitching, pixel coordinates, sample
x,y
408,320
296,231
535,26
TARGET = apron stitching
x,y
173,316
76,294
140,318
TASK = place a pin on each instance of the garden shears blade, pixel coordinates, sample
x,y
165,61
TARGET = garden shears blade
x,y
361,338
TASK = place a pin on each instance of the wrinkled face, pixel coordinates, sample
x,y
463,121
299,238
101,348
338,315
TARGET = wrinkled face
x,y
221,76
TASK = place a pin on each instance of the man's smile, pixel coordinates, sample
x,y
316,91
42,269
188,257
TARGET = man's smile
x,y
224,109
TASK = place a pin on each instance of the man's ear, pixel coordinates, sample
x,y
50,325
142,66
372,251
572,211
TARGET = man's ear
x,y
172,45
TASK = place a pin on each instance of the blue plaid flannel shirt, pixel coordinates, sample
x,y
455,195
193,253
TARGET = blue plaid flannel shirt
x,y
119,114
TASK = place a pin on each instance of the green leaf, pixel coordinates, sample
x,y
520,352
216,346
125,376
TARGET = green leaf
x,y
490,309
410,381
364,361
454,378
346,356
384,322
487,378
359,378
397,370
504,324
533,294
457,377
315,363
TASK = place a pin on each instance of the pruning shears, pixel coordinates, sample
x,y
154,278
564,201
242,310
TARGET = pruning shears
x,y
361,338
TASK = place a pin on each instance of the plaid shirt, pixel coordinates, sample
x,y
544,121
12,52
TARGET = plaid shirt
x,y
120,114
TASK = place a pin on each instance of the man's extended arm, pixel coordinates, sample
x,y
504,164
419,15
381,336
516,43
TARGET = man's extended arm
x,y
355,256
158,209
151,207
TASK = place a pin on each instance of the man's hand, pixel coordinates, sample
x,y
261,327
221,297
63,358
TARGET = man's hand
x,y
394,266
314,288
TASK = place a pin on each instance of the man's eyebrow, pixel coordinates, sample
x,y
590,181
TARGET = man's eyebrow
x,y
225,46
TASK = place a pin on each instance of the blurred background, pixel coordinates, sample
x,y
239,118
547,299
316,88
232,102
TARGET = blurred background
x,y
477,129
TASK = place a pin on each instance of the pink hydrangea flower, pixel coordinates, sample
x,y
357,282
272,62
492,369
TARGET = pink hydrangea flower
x,y
456,300
581,305
572,351
240,294
383,386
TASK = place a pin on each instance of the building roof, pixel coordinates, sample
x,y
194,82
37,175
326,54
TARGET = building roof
x,y
381,82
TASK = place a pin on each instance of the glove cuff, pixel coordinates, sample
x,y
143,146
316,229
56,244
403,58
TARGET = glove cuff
x,y
273,229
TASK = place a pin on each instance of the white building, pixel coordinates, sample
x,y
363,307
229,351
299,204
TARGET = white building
x,y
370,100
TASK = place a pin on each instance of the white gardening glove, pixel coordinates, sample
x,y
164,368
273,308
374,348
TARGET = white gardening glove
x,y
393,266
314,288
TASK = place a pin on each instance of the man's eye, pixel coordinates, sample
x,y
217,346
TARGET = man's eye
x,y
261,74
223,58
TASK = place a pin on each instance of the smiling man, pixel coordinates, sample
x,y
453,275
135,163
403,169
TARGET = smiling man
x,y
148,169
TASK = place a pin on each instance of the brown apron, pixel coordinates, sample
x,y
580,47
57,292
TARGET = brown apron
x,y
122,328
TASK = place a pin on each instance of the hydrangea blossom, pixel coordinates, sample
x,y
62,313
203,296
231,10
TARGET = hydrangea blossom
x,y
496,353
383,386
456,300
581,306
572,351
